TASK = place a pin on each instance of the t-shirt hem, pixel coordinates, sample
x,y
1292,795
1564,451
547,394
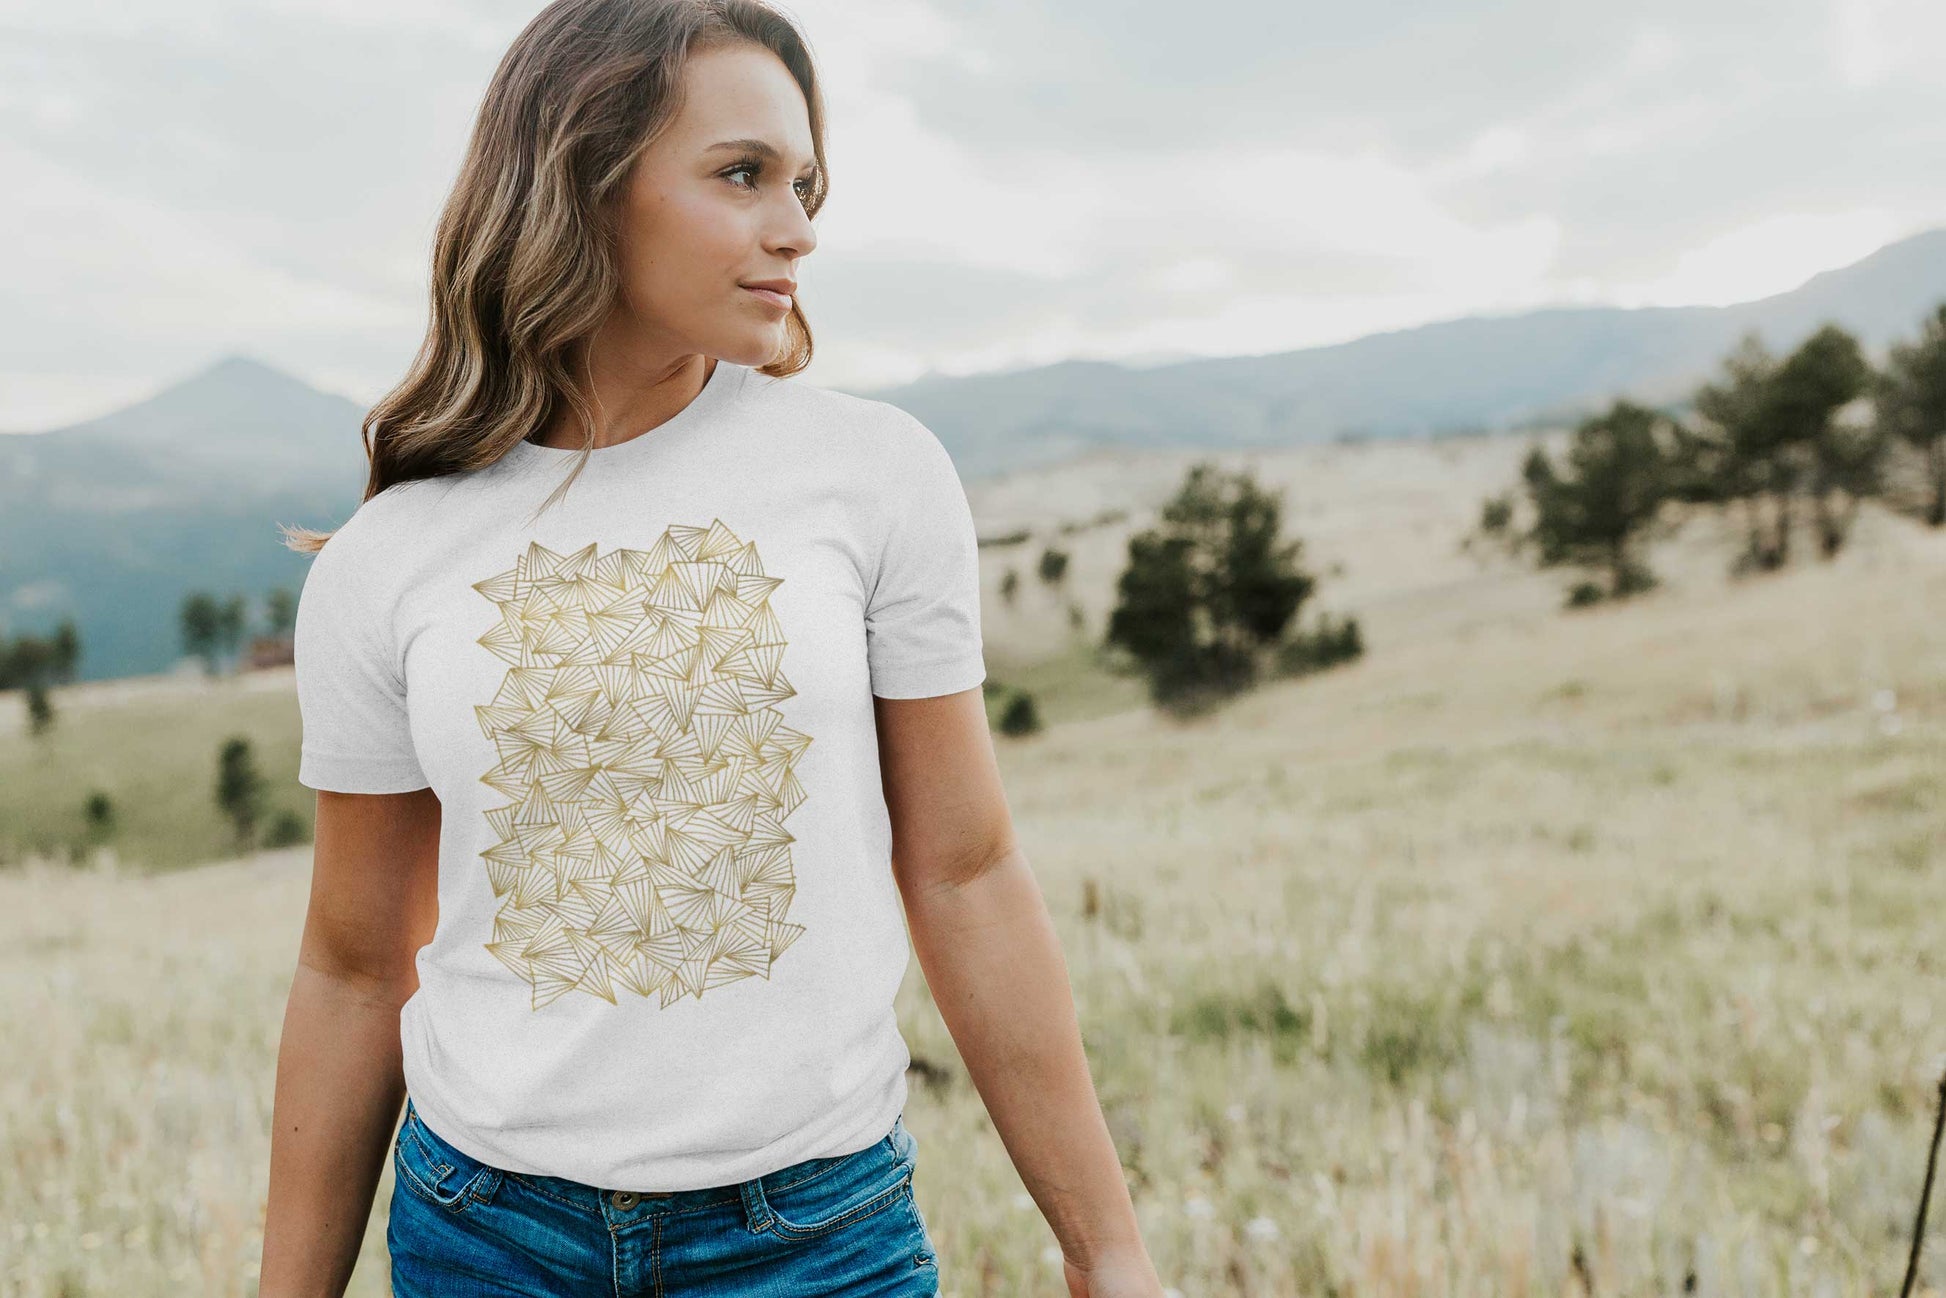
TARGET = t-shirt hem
x,y
752,1165
342,773
928,680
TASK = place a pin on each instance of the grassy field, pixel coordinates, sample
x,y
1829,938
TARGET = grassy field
x,y
1534,954
1382,519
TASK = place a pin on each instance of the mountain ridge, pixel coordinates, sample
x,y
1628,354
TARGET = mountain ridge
x,y
1501,371
112,520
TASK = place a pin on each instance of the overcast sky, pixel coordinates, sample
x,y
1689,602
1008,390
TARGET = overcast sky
x,y
1014,181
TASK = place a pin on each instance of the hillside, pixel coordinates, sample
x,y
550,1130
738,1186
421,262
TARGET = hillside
x,y
1540,367
112,522
1382,525
1531,937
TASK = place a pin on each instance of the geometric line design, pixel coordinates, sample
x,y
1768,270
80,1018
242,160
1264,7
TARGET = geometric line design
x,y
646,768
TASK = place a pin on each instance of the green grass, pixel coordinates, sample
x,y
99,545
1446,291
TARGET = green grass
x,y
1073,686
156,758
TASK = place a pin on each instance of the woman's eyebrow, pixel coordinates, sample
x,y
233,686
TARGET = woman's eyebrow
x,y
761,148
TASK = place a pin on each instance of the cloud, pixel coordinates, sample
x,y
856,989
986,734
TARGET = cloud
x,y
1882,40
1636,131
1751,261
1014,182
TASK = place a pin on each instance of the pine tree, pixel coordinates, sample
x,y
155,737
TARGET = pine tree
x,y
240,788
1593,512
1911,400
1208,592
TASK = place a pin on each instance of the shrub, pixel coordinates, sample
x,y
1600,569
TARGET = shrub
x,y
287,829
1208,592
1329,643
1020,716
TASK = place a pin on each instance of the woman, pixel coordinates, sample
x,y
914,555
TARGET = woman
x,y
627,794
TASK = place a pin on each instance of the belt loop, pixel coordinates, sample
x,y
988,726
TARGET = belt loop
x,y
488,1186
756,1208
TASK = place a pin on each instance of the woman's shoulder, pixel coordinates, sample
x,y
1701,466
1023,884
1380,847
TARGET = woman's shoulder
x,y
872,424
380,522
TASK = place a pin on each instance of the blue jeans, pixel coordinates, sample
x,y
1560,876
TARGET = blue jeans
x,y
845,1226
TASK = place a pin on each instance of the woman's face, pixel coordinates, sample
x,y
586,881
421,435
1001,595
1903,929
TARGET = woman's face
x,y
708,211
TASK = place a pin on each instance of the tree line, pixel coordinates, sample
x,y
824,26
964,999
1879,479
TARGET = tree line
x,y
214,629
210,629
1782,441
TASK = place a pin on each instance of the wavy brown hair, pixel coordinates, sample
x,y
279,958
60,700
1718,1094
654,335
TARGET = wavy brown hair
x,y
524,265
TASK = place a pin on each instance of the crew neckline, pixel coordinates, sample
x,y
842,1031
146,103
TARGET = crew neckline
x,y
724,382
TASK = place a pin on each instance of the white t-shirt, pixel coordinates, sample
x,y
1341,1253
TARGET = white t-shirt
x,y
669,936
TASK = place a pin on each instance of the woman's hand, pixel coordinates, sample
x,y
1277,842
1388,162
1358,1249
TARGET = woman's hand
x,y
1125,1274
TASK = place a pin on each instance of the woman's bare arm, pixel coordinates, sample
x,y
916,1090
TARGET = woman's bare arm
x,y
374,903
988,947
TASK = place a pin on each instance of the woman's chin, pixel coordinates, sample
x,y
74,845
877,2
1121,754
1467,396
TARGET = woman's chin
x,y
752,347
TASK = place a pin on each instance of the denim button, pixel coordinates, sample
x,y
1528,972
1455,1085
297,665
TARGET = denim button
x,y
623,1199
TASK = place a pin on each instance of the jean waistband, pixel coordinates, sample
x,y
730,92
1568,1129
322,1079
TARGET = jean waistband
x,y
622,1204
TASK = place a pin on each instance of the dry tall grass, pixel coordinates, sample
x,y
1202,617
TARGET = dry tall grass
x,y
1535,954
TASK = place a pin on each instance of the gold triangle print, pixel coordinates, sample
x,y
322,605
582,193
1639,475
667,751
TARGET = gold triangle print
x,y
645,765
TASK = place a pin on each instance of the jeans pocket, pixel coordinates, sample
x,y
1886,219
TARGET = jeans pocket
x,y
814,1198
441,1174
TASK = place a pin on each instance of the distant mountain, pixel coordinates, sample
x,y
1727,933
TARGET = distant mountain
x,y
112,521
1480,372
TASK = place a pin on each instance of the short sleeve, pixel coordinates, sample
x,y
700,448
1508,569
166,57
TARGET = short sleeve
x,y
349,691
922,621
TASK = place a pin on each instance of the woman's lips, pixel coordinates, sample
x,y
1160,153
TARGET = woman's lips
x,y
778,300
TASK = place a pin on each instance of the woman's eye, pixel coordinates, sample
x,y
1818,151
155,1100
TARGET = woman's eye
x,y
804,188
